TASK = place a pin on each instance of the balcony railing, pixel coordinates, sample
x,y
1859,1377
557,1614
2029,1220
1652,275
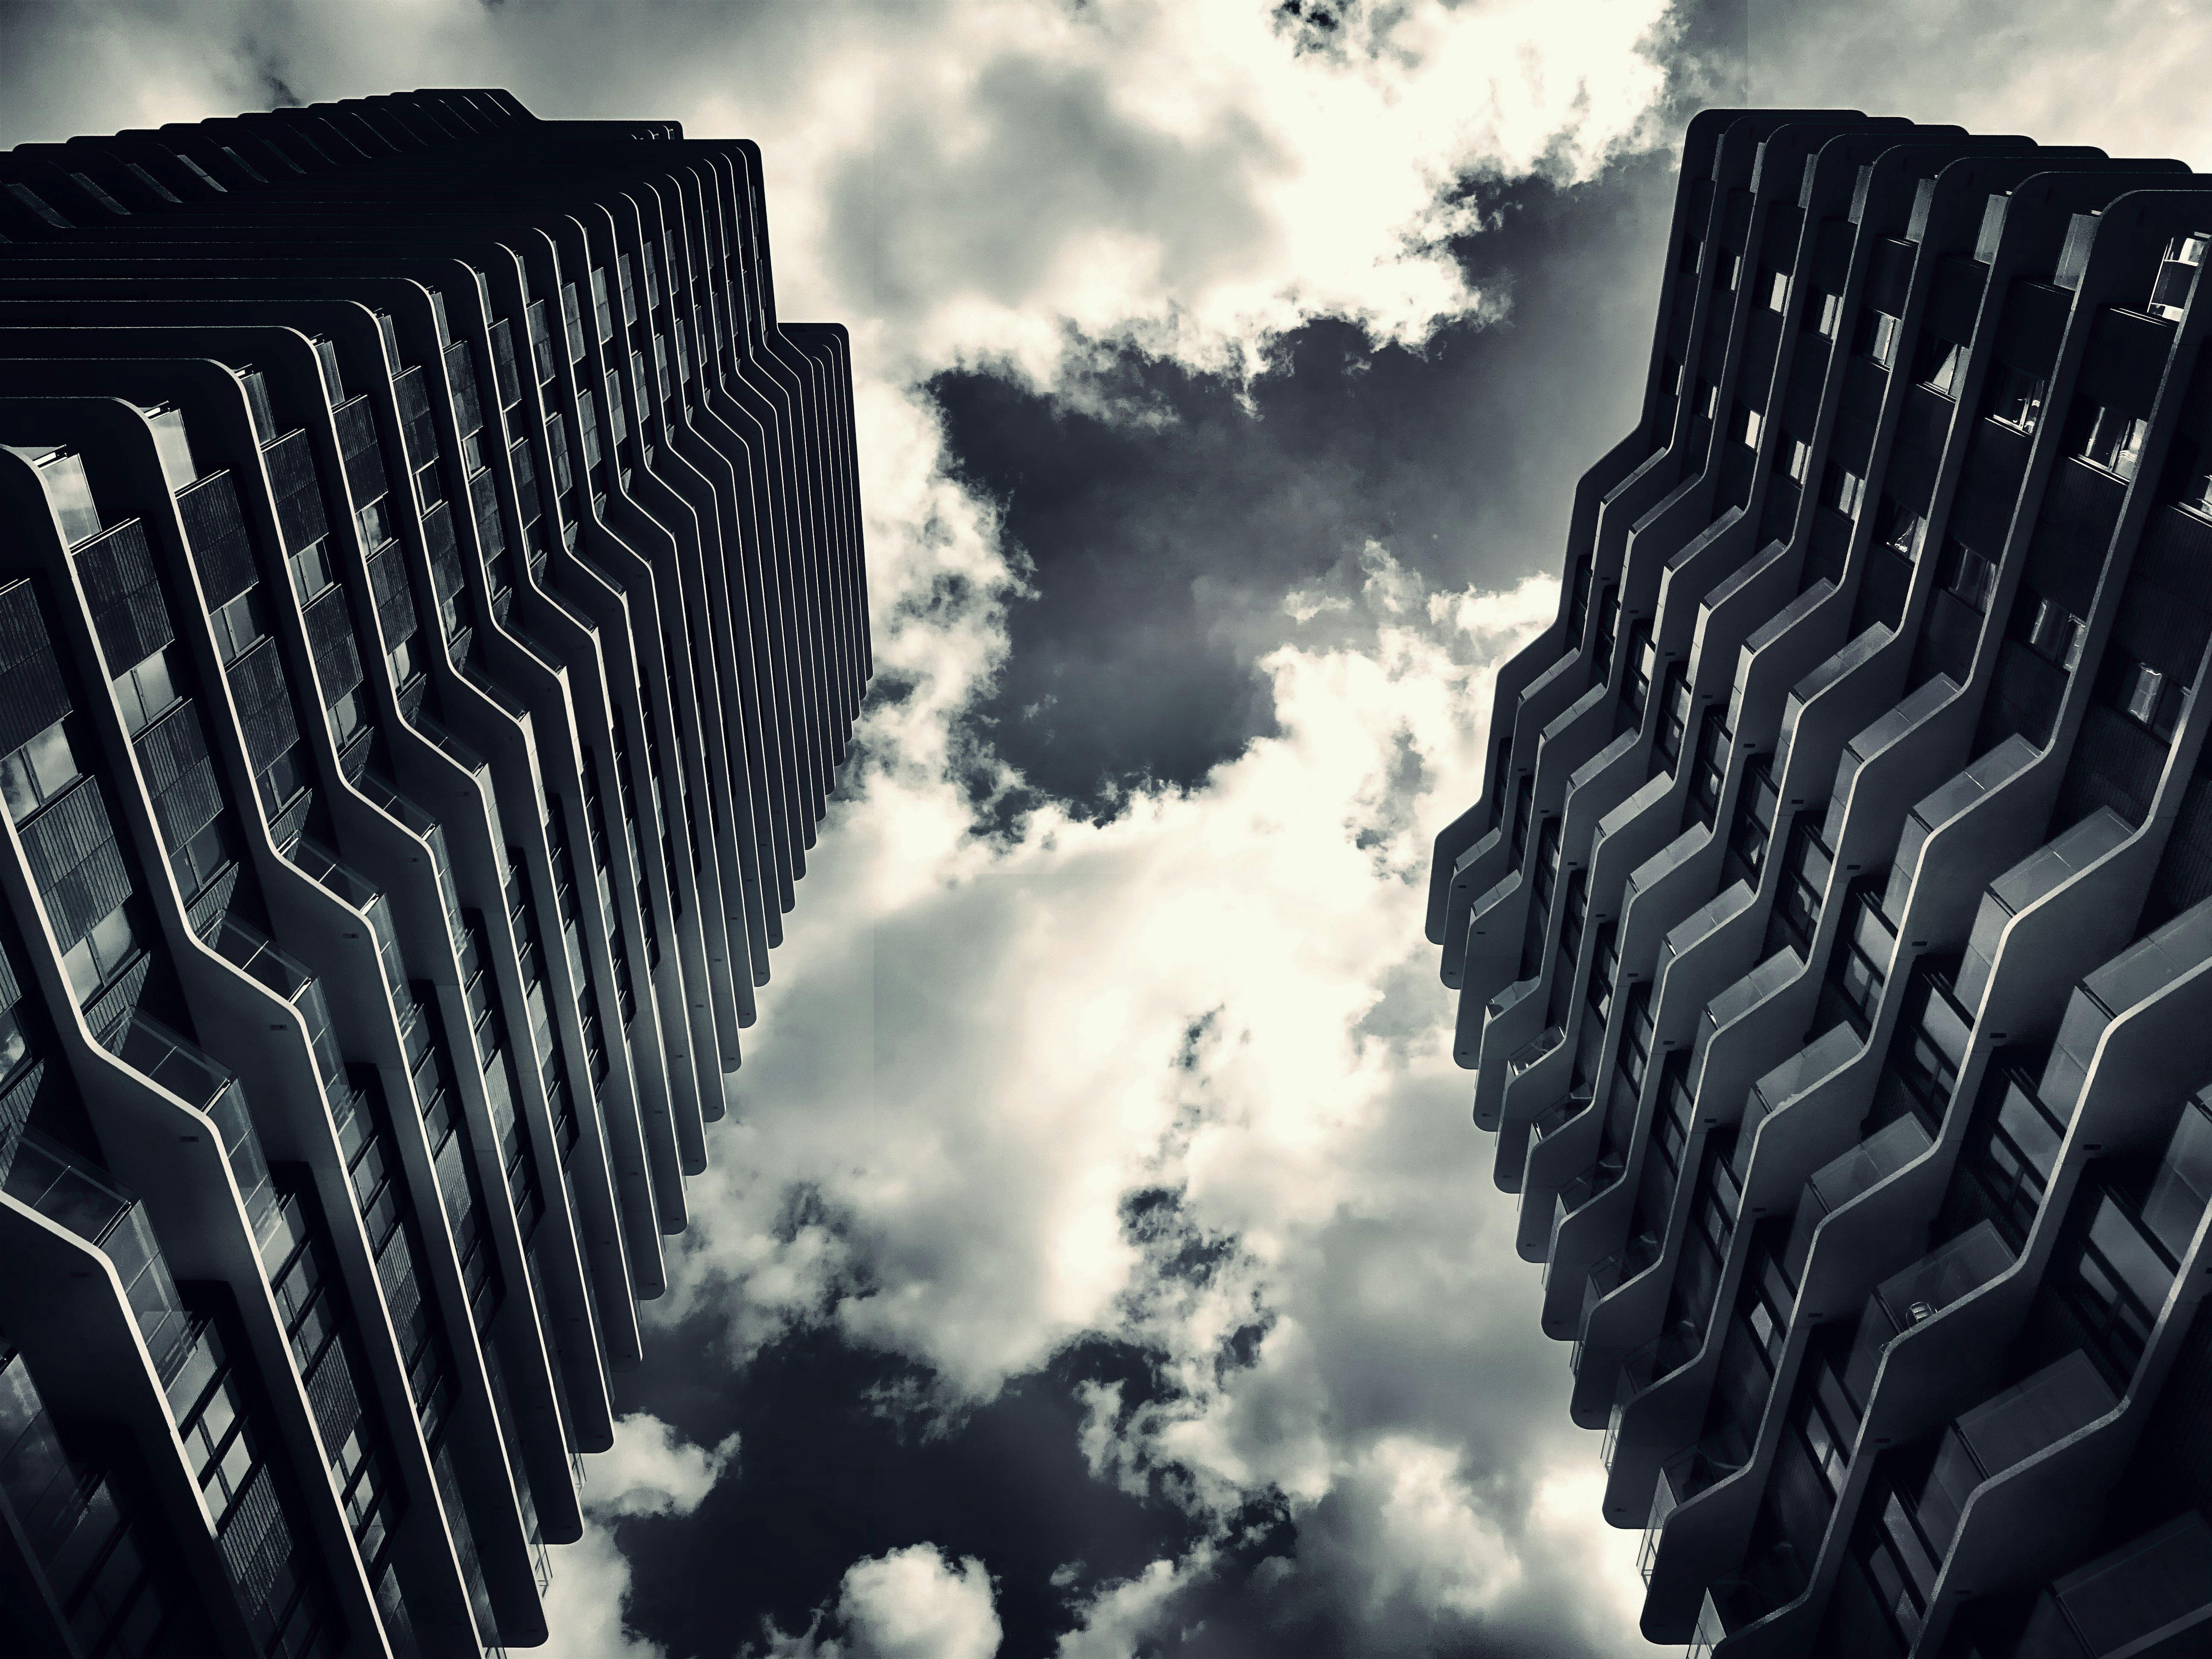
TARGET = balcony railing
x,y
159,1054
1551,1122
254,953
324,867
394,804
49,1178
1535,1048
1919,1293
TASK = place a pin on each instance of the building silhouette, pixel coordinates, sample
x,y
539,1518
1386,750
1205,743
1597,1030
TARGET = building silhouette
x,y
1833,936
432,615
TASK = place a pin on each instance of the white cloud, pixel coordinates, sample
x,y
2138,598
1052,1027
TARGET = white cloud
x,y
584,1607
652,1470
1118,1618
649,1470
912,1603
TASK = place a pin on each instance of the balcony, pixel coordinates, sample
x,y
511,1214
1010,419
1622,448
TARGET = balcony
x,y
1918,1294
2148,1596
1836,1183
394,804
160,1055
1535,1048
254,953
71,1193
1550,1123
319,863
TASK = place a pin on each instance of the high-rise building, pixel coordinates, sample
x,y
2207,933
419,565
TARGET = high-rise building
x,y
432,615
1833,935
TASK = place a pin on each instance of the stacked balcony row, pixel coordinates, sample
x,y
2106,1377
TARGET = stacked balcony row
x,y
432,617
1844,862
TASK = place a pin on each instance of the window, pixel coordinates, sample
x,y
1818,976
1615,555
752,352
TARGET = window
x,y
327,354
2178,1193
2017,399
1804,886
348,717
202,858
34,773
311,570
2115,442
1729,273
239,624
281,781
2140,690
146,691
255,385
541,340
1777,290
556,439
2197,495
1900,528
1796,458
587,426
430,486
616,417
1688,261
1967,576
2057,635
1939,364
70,493
2177,276
1830,317
473,461
388,332
404,668
99,957
1862,961
2016,1158
1745,424
173,448
13,1045
1708,399
572,316
375,522
1877,335
601,309
1846,491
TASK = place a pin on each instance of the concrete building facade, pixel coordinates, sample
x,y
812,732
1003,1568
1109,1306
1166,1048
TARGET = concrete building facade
x,y
432,611
1833,936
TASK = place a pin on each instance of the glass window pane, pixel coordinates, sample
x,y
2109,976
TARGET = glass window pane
x,y
52,763
2130,1255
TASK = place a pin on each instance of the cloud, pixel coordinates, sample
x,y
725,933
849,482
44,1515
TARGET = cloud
x,y
912,1603
584,1607
988,182
651,1470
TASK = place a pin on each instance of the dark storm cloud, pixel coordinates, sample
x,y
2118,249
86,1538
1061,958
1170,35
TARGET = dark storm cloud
x,y
831,1471
1162,551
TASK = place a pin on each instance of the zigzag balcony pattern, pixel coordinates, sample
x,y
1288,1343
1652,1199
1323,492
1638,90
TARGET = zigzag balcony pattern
x,y
1833,935
433,613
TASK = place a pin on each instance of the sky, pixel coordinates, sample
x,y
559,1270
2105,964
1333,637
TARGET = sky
x,y
1098,1260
